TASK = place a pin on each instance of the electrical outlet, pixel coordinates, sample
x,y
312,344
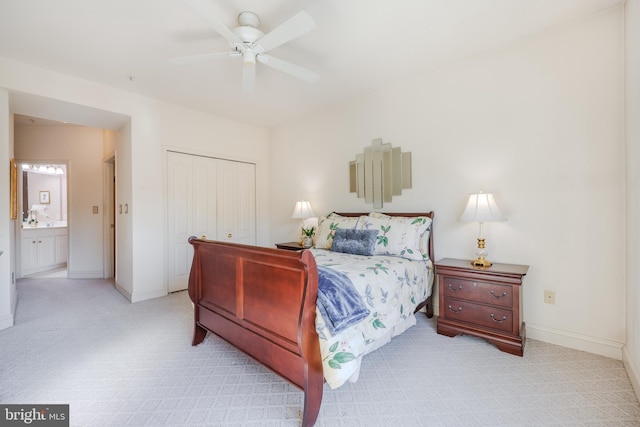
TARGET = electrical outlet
x,y
549,297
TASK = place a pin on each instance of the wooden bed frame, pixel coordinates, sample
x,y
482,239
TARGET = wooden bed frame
x,y
263,301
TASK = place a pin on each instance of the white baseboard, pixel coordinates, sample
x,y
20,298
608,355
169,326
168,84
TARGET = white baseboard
x,y
85,274
147,295
586,343
632,371
6,321
139,297
124,292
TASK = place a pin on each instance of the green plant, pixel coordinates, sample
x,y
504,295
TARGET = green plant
x,y
308,231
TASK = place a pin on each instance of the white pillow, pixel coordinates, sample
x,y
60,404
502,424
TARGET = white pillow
x,y
327,226
406,237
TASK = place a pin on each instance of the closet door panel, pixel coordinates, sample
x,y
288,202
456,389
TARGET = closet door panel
x,y
246,204
179,219
227,192
205,197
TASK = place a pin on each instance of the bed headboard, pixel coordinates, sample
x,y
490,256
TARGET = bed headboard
x,y
410,214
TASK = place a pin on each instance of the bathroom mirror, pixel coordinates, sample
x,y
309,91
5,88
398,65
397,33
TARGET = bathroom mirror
x,y
44,194
380,173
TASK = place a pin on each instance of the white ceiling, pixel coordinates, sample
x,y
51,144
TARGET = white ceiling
x,y
357,47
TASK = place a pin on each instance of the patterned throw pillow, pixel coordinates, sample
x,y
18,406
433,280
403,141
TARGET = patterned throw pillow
x,y
327,226
406,237
355,242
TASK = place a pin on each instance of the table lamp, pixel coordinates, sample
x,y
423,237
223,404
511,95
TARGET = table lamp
x,y
303,211
481,208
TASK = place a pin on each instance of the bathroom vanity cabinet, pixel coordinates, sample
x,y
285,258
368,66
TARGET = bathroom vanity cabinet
x,y
43,249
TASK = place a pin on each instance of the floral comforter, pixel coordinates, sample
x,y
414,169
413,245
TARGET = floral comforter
x,y
391,287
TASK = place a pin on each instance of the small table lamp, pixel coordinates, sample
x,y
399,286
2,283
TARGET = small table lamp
x,y
303,211
481,208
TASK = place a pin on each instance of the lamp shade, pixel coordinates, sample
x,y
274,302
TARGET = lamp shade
x,y
303,210
482,207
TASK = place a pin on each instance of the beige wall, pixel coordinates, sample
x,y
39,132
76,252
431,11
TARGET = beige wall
x,y
538,123
632,127
81,148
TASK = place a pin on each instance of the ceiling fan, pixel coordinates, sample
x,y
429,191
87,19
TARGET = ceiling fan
x,y
248,42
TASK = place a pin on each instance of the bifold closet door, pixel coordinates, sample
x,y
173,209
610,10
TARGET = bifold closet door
x,y
237,202
210,198
191,211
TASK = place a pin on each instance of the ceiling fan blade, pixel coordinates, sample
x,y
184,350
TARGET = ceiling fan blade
x,y
299,24
205,11
248,77
203,57
287,67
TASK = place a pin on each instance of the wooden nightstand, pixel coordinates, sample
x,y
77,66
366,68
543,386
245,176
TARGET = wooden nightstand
x,y
484,302
290,246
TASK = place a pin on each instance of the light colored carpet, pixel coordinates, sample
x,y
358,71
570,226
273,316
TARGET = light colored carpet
x,y
79,342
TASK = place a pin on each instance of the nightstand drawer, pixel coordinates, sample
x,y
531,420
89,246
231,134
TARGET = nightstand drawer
x,y
481,315
476,291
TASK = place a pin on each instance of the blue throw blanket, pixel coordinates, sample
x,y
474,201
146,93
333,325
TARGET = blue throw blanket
x,y
338,301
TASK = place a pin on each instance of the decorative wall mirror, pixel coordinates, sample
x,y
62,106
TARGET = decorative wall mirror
x,y
380,173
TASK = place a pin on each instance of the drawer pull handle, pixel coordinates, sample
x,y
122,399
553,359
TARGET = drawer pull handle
x,y
497,320
454,290
456,311
504,294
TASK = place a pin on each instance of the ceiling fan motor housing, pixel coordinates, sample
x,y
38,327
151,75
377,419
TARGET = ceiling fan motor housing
x,y
248,30
248,35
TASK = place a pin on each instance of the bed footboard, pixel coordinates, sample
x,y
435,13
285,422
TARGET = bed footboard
x,y
262,301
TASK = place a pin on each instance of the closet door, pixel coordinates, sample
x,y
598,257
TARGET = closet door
x,y
205,201
246,204
210,198
236,202
191,211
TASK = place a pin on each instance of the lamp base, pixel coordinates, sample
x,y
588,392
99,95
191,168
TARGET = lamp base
x,y
481,262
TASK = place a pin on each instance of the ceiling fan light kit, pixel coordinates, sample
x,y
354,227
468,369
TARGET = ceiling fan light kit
x,y
249,57
247,40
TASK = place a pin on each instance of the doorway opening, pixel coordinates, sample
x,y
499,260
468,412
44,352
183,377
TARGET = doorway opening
x,y
43,226
110,218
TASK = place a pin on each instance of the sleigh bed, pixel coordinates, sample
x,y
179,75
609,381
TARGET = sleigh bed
x,y
268,303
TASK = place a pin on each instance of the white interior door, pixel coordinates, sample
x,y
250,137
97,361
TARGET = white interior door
x,y
237,202
246,204
210,198
227,193
191,199
204,198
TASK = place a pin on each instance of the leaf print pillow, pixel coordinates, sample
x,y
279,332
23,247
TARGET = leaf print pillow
x,y
399,236
327,226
